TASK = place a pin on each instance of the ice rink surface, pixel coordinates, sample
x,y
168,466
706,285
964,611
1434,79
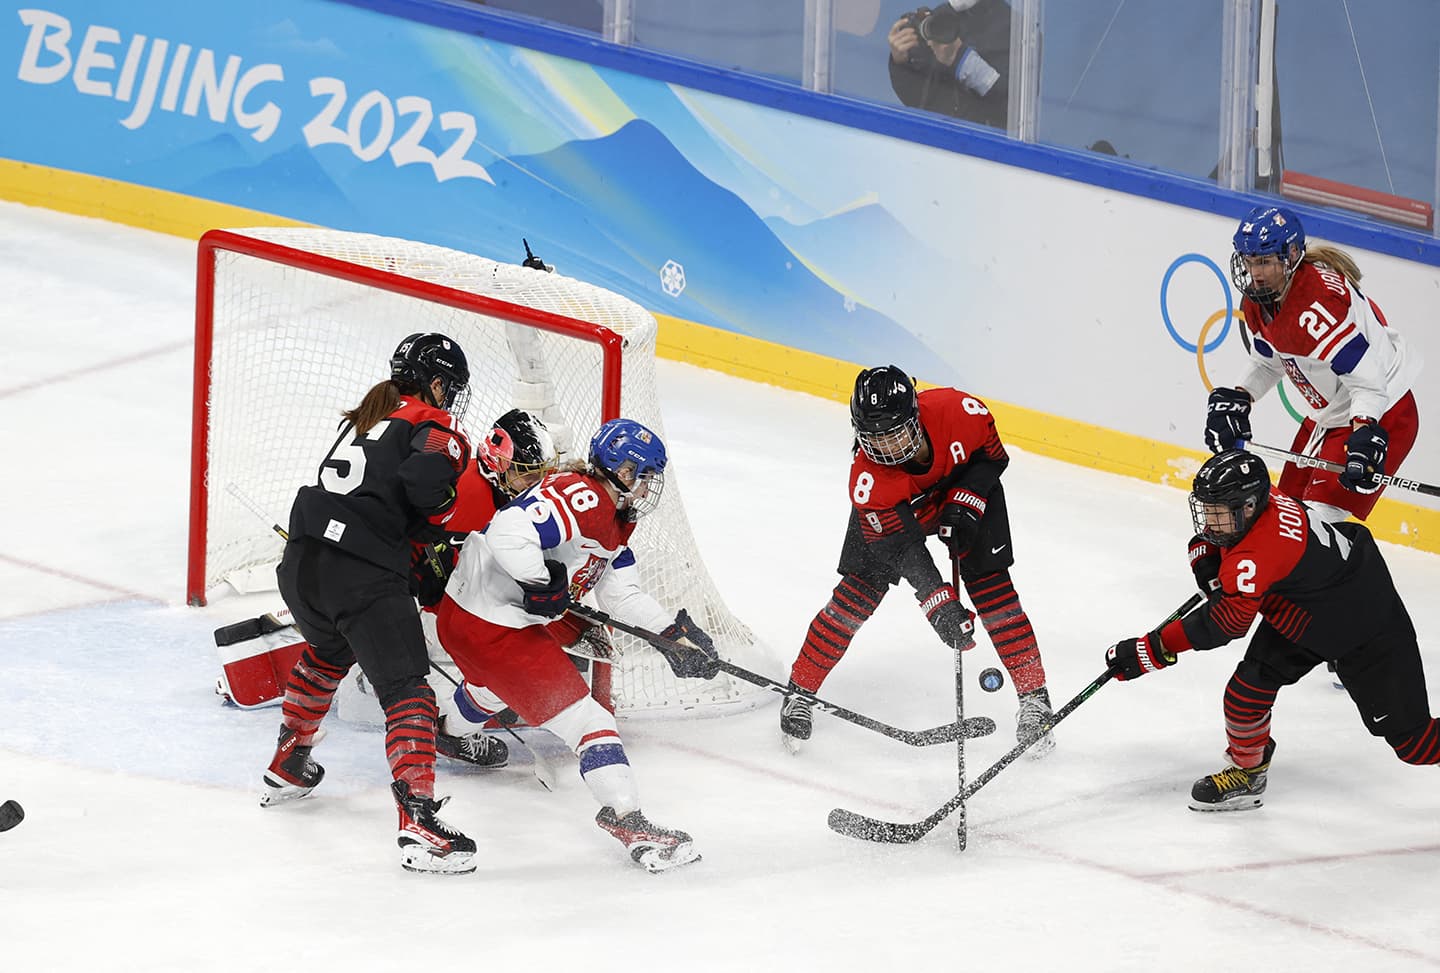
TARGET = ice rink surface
x,y
144,847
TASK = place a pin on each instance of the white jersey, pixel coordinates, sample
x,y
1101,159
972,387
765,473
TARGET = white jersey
x,y
566,517
1332,343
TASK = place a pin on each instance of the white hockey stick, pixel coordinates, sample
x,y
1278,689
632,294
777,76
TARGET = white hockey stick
x,y
1299,459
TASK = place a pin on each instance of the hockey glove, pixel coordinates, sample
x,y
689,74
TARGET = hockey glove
x,y
1227,420
1205,563
694,661
960,519
1133,658
430,568
951,620
1365,458
548,598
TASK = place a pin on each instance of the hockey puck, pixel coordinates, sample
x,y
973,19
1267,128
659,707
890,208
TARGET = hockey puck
x,y
11,814
991,680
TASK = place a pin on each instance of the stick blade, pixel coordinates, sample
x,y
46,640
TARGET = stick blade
x,y
865,828
972,728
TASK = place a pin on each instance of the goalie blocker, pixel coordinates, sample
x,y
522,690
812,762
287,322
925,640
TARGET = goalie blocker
x,y
256,657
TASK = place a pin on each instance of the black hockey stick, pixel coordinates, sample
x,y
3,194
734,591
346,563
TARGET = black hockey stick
x,y
866,828
961,828
544,773
978,727
1299,459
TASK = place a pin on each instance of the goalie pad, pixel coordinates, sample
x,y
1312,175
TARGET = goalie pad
x,y
256,657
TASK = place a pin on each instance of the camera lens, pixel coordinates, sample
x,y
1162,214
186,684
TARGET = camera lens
x,y
941,26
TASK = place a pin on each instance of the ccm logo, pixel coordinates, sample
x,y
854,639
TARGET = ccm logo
x,y
1230,407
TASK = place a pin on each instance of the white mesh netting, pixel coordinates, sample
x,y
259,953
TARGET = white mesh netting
x,y
294,346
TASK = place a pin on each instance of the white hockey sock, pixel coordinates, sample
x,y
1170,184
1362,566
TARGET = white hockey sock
x,y
589,729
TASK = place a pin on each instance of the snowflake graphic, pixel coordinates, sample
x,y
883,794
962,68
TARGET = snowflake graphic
x,y
672,278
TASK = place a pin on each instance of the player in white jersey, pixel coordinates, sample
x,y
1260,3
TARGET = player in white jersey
x,y
1306,320
562,540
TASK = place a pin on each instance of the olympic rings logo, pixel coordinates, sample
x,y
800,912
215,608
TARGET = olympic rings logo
x,y
1228,313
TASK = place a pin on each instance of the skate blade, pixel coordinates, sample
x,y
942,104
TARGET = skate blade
x,y
276,793
1248,803
655,861
792,744
418,859
1041,748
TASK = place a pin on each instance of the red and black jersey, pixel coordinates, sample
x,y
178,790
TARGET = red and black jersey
x,y
966,453
378,491
1323,586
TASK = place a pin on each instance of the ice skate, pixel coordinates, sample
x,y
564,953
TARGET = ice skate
x,y
1234,788
1033,715
796,720
652,847
428,844
292,773
473,748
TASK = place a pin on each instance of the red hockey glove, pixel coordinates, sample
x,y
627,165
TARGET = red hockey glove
x,y
1133,658
548,598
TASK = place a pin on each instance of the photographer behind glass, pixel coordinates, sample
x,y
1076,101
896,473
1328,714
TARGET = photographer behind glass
x,y
954,59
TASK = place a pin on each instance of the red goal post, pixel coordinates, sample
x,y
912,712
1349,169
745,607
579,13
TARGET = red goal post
x,y
292,326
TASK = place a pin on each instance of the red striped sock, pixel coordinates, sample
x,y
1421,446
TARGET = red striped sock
x,y
1247,720
308,694
852,602
1005,621
1422,747
410,739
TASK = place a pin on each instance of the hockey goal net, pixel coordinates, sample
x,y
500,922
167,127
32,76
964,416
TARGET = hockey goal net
x,y
294,325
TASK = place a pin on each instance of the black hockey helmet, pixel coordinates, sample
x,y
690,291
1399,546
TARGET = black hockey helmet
x,y
1229,492
885,413
516,452
425,356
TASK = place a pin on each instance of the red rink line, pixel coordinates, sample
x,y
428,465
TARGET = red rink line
x,y
97,367
1169,881
90,582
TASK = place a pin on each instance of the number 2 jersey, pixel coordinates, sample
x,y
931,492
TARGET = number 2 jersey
x,y
966,454
566,517
1333,344
1323,586
376,492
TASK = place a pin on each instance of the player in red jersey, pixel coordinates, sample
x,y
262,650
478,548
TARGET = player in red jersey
x,y
565,538
388,480
923,464
509,459
1306,320
1322,592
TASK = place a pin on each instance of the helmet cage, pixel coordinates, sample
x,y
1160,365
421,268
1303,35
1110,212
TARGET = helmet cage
x,y
1266,231
633,460
517,453
892,446
885,414
1230,491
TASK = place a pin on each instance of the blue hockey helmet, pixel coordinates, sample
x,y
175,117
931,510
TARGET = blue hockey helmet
x,y
632,458
1267,231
